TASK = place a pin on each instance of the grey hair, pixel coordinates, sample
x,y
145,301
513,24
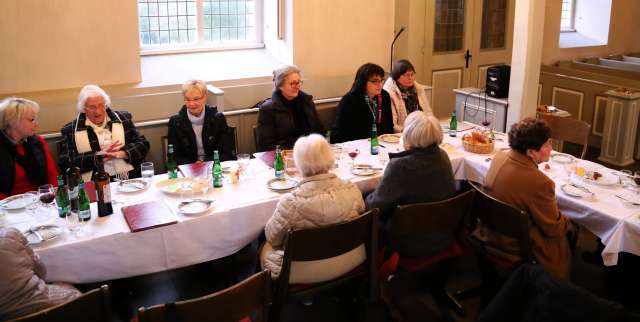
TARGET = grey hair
x,y
200,85
313,155
91,91
280,74
12,109
421,130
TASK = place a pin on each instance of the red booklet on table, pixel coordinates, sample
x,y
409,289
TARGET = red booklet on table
x,y
148,215
268,157
195,170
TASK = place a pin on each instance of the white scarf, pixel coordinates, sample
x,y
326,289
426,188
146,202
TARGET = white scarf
x,y
113,166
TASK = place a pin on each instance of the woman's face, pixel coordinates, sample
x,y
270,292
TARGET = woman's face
x,y
27,125
195,101
542,155
290,88
374,85
95,109
407,79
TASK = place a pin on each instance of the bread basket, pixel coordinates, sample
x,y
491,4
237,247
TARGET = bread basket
x,y
471,144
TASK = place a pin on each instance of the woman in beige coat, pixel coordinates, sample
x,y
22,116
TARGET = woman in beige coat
x,y
321,199
514,178
407,95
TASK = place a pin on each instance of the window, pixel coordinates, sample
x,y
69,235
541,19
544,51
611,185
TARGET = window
x,y
567,17
188,25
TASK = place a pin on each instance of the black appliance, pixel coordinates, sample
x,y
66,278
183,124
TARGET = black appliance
x,y
498,81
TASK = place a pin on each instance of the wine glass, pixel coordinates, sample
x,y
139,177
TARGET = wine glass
x,y
569,168
46,195
383,157
353,154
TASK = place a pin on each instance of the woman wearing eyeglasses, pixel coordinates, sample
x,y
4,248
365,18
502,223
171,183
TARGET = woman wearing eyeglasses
x,y
289,114
25,161
407,95
199,129
364,105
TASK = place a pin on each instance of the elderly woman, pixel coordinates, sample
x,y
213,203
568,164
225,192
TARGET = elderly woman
x,y
25,161
289,114
199,129
407,95
22,286
363,106
514,178
320,199
99,129
423,167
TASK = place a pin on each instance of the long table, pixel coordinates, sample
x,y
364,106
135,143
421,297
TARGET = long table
x,y
108,250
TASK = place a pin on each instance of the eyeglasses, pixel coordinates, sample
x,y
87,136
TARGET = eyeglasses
x,y
296,83
376,81
409,74
188,99
94,107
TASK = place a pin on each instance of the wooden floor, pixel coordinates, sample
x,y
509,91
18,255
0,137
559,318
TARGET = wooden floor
x,y
410,301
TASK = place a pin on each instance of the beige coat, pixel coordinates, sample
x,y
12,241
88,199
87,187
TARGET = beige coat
x,y
318,201
515,179
398,109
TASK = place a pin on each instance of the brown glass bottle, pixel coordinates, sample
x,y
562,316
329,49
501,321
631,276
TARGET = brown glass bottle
x,y
102,180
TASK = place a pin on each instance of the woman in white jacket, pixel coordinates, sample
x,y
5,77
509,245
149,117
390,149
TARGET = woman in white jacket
x,y
321,199
406,94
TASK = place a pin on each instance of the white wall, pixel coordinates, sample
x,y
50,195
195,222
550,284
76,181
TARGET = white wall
x,y
592,19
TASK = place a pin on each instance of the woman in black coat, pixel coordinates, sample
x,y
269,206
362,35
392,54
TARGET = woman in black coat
x,y
198,129
365,104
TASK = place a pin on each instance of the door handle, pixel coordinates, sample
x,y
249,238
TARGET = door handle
x,y
467,57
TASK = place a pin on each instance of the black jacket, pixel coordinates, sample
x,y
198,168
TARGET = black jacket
x,y
276,124
34,162
136,145
354,119
216,135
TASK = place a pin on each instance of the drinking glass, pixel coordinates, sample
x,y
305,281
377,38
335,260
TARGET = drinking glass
x,y
243,162
626,179
569,168
353,154
337,154
46,195
74,224
383,157
147,171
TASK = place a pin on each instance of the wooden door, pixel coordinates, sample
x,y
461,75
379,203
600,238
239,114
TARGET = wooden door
x,y
462,39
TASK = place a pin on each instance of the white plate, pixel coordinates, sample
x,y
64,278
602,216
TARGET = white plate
x,y
364,170
182,185
607,178
630,197
20,201
133,185
562,158
574,191
41,234
195,206
282,184
390,138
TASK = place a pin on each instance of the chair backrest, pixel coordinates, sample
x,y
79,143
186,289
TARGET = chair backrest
x,y
503,218
569,129
249,297
414,225
331,241
94,305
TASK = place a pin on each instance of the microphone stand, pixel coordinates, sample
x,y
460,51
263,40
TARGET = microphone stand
x,y
393,44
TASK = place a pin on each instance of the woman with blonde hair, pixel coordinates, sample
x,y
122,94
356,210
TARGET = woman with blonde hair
x,y
25,160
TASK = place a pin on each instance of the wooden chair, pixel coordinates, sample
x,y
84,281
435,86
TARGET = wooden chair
x,y
94,305
570,130
249,297
414,226
504,219
323,243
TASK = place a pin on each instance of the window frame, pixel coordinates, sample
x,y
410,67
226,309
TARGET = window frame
x,y
200,45
572,17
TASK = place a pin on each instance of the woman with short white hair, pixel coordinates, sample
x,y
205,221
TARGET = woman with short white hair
x,y
321,199
289,114
100,130
25,160
420,173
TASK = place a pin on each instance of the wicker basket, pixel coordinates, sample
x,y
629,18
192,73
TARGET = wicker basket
x,y
477,147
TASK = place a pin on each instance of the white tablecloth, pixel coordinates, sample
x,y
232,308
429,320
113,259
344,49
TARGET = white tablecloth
x,y
108,250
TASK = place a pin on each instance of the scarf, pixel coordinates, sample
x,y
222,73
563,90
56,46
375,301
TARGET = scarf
x,y
410,98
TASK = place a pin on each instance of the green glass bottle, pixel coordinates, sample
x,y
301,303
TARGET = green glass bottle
x,y
62,198
217,170
453,125
374,139
84,204
278,163
172,168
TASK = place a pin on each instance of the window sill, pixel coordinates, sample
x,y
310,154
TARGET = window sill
x,y
576,39
173,69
